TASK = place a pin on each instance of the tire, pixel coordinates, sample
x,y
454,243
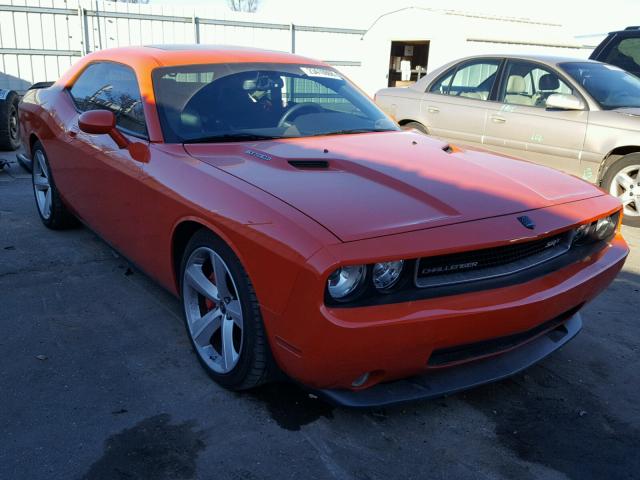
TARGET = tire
x,y
622,180
415,125
253,364
52,211
9,122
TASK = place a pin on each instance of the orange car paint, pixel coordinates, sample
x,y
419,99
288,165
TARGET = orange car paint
x,y
386,196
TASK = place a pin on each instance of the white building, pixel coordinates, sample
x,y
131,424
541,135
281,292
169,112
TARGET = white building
x,y
39,39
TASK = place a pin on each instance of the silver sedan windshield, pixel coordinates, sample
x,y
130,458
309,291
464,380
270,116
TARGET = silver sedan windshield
x,y
610,86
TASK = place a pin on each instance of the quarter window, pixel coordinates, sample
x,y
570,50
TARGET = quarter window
x,y
442,85
114,87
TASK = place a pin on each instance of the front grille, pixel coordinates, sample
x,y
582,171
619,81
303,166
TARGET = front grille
x,y
489,262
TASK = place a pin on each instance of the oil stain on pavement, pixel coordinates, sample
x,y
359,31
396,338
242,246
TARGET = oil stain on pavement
x,y
153,448
290,406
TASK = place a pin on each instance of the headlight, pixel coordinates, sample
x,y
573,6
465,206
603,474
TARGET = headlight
x,y
345,280
604,228
386,274
582,233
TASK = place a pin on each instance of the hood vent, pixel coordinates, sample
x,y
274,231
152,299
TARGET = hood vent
x,y
309,164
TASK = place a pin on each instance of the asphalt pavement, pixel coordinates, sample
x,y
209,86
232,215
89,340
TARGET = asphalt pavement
x,y
98,381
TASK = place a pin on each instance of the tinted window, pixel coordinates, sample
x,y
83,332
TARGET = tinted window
x,y
625,54
110,86
610,86
232,102
474,80
530,84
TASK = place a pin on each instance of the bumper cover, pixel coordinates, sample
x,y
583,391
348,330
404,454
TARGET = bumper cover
x,y
445,381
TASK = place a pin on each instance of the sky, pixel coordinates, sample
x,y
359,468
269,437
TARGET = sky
x,y
579,16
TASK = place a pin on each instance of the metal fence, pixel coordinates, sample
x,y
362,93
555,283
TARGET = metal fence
x,y
40,39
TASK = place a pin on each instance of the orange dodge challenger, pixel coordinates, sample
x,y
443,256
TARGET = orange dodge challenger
x,y
305,233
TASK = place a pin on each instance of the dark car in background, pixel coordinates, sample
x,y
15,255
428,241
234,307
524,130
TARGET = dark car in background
x,y
621,49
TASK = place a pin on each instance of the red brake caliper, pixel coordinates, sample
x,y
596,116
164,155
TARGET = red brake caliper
x,y
210,304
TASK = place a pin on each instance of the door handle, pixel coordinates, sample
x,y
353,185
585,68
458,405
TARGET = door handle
x,y
433,110
496,119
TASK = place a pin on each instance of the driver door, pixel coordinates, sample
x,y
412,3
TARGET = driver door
x,y
108,180
521,125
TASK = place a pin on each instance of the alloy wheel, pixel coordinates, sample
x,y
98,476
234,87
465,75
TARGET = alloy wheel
x,y
42,185
626,187
213,310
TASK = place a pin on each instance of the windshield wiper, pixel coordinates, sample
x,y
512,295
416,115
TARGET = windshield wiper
x,y
353,130
230,137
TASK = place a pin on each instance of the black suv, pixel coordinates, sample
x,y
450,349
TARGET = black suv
x,y
621,49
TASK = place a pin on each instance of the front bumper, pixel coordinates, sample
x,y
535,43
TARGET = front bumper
x,y
462,377
329,349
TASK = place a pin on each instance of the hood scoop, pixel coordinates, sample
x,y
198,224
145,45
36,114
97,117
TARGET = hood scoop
x,y
309,164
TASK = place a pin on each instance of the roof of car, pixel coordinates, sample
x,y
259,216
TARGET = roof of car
x,y
548,59
177,54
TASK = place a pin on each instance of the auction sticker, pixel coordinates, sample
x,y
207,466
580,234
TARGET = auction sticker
x,y
320,72
3,94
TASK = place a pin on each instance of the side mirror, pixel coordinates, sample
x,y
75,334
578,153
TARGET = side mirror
x,y
102,122
561,101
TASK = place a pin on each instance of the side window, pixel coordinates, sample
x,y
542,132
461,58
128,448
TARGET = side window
x,y
110,86
625,54
441,85
530,84
474,80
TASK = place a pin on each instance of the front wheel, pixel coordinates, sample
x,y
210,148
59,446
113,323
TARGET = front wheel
x,y
622,180
222,314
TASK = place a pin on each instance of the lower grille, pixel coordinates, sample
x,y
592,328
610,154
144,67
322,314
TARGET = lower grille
x,y
489,262
472,351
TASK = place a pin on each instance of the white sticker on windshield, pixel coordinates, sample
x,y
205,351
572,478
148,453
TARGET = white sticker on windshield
x,y
3,94
320,72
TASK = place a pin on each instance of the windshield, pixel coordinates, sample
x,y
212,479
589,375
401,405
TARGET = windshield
x,y
253,101
610,86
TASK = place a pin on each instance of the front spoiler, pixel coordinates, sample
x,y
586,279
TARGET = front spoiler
x,y
446,381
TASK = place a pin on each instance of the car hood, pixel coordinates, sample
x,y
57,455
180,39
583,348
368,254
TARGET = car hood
x,y
373,184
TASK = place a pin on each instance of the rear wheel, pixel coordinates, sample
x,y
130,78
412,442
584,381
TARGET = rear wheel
x,y
415,126
53,213
9,123
622,180
222,315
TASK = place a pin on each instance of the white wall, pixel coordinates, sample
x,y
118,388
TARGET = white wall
x,y
39,45
449,36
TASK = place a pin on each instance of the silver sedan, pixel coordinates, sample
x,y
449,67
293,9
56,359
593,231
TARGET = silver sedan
x,y
579,116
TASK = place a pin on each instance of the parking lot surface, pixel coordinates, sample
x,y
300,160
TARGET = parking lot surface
x,y
98,381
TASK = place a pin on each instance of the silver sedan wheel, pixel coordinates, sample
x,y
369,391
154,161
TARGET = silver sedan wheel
x,y
213,310
42,185
626,186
